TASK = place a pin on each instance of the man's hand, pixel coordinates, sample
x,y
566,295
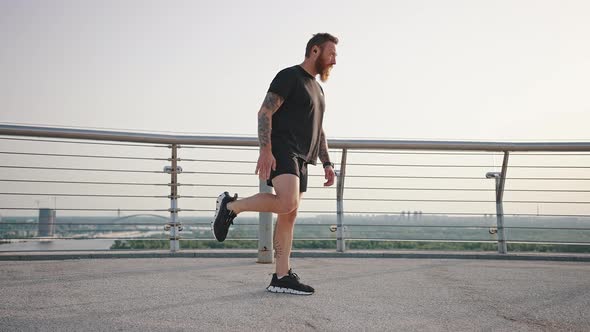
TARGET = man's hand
x,y
266,163
330,175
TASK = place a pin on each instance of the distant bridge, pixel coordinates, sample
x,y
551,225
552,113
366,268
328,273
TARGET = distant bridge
x,y
140,215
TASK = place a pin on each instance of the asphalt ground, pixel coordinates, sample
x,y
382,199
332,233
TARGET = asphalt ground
x,y
352,294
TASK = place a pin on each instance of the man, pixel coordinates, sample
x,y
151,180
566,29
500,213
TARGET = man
x,y
291,136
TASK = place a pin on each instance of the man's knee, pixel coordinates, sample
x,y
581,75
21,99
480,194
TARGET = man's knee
x,y
288,205
287,190
287,218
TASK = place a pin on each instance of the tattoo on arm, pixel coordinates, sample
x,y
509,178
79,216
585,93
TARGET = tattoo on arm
x,y
270,105
264,129
324,156
272,102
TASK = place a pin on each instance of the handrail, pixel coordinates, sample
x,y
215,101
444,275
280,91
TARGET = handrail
x,y
105,135
173,142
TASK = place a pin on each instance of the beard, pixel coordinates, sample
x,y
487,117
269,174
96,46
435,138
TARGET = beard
x,y
322,69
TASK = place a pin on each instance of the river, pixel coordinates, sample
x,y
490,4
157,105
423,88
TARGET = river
x,y
58,244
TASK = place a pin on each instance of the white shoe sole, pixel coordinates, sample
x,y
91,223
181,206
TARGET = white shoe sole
x,y
217,209
275,289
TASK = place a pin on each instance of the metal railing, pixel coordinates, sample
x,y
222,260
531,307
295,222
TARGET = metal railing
x,y
372,169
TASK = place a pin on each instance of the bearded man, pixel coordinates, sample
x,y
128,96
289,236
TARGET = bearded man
x,y
290,137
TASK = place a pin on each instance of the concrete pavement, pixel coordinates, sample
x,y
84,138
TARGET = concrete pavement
x,y
353,294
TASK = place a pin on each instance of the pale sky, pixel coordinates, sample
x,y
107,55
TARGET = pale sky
x,y
516,70
481,70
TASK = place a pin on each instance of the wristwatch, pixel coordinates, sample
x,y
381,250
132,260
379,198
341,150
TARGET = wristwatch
x,y
328,163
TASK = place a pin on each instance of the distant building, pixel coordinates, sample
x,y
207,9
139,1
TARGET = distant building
x,y
46,222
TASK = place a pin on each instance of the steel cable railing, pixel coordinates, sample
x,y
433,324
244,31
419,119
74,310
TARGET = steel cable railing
x,y
76,156
80,169
81,142
396,186
83,182
67,170
471,190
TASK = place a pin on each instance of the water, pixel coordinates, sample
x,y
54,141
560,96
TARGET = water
x,y
58,245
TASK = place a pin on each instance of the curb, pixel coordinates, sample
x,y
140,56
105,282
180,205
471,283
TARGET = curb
x,y
43,256
427,255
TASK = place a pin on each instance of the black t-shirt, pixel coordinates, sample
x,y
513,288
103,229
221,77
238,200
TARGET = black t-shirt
x,y
297,124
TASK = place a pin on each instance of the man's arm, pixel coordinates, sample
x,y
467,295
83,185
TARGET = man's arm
x,y
325,159
266,161
324,156
270,105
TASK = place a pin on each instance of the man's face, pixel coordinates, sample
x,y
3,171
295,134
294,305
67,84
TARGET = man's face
x,y
326,60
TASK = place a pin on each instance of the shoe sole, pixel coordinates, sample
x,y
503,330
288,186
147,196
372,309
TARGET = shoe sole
x,y
217,209
275,289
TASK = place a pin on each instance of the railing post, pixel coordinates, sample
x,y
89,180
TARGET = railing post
x,y
341,174
500,180
174,225
265,231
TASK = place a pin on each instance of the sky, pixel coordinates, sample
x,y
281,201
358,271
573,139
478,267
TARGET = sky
x,y
442,70
516,70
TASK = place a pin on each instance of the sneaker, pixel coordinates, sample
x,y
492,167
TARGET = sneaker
x,y
289,284
223,217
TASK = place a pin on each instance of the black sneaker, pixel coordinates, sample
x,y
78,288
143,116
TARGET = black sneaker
x,y
289,284
223,217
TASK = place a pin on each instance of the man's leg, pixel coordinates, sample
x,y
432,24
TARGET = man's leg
x,y
283,281
283,241
285,199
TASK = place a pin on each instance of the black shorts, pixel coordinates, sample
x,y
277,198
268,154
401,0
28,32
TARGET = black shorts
x,y
289,163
